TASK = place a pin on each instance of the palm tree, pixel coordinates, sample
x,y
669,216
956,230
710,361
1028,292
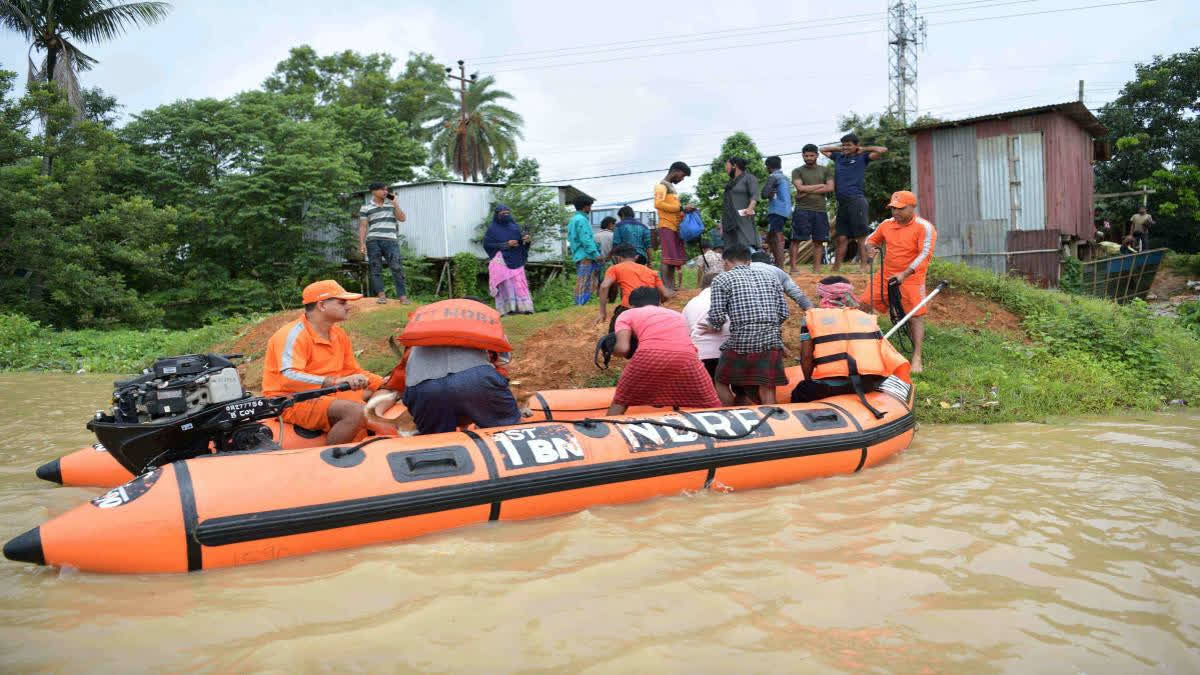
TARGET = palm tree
x,y
483,134
54,27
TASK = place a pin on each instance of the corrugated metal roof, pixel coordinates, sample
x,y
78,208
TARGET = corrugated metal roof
x,y
1075,110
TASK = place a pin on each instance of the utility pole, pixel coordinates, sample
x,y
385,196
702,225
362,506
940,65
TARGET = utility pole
x,y
462,102
906,32
1081,91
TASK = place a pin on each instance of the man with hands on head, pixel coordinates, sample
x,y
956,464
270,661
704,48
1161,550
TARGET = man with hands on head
x,y
850,162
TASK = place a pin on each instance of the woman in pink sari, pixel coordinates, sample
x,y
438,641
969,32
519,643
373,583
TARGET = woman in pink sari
x,y
507,248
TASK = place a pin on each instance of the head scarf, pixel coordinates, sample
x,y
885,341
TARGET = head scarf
x,y
499,233
836,295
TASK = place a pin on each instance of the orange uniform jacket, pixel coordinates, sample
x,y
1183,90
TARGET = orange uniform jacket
x,y
908,247
299,360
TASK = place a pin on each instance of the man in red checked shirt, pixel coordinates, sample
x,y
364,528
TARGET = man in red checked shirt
x,y
909,240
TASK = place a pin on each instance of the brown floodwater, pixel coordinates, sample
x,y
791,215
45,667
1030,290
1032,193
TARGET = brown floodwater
x,y
1066,548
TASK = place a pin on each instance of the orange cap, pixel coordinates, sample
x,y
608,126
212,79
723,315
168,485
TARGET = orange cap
x,y
326,289
902,198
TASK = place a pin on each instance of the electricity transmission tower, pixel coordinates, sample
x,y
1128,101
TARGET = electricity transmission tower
x,y
906,32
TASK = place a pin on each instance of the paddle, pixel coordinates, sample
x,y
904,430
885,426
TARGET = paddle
x,y
895,327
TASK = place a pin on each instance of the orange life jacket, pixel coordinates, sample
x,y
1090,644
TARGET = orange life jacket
x,y
848,343
456,323
451,323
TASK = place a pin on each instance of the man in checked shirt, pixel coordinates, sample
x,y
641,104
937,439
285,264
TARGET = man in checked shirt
x,y
752,301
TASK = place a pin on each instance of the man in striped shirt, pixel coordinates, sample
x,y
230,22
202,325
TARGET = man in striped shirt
x,y
908,240
379,240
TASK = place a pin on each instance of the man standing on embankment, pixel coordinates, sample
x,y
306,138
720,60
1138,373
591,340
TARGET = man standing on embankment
x,y
909,240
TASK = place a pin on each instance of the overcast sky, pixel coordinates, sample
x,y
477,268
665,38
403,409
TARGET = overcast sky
x,y
620,86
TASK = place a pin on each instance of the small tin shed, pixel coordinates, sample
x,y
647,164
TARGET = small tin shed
x,y
1007,190
443,217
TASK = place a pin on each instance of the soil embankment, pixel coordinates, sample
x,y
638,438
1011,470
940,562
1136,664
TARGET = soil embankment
x,y
558,355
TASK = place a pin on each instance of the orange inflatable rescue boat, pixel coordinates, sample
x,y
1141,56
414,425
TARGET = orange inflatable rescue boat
x,y
224,510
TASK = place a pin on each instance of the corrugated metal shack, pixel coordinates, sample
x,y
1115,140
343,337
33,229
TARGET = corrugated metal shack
x,y
444,217
1006,191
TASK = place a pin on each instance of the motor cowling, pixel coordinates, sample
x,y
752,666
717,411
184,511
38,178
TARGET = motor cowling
x,y
177,385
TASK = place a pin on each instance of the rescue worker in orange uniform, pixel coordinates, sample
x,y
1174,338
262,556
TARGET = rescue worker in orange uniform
x,y
908,240
314,352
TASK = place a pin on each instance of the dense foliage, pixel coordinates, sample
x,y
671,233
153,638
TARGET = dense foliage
x,y
199,210
1155,123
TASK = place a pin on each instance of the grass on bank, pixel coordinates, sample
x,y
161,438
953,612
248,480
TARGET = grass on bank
x,y
27,345
1084,356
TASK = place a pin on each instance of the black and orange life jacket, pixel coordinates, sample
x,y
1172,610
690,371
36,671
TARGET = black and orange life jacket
x,y
848,343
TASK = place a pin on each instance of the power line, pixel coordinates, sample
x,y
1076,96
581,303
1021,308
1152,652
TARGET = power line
x,y
616,143
765,29
707,158
820,37
749,31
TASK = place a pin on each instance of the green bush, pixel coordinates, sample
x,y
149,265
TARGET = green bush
x,y
418,271
557,292
1189,315
1071,279
25,345
1184,263
1159,354
465,269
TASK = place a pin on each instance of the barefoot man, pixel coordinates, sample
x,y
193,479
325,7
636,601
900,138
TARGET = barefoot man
x,y
908,241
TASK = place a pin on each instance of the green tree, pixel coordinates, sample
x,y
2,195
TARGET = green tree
x,y
54,28
1155,122
101,108
485,134
420,94
383,147
73,251
348,78
710,188
524,170
258,193
1177,204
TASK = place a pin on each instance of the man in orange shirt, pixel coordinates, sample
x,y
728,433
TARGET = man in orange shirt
x,y
909,240
314,352
628,275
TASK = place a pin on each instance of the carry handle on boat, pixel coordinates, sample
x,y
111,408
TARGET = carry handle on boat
x,y
904,320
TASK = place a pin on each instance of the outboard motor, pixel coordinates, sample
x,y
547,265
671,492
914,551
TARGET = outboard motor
x,y
185,406
176,385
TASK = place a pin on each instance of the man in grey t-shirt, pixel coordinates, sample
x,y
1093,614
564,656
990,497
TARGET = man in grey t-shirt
x,y
445,386
379,240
